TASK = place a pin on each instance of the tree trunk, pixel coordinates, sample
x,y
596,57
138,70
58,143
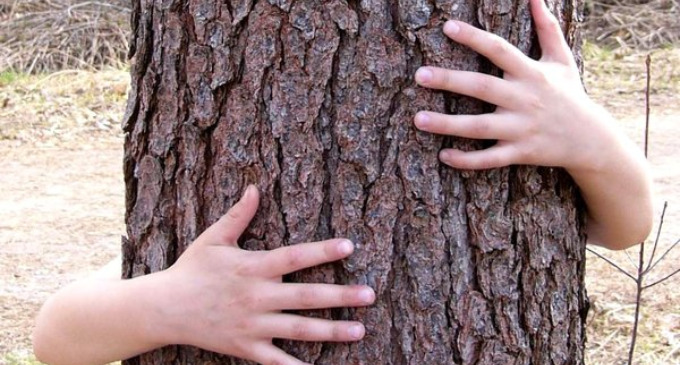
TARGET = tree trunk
x,y
313,102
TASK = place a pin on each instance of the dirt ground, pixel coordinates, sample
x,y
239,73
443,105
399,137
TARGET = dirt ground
x,y
61,216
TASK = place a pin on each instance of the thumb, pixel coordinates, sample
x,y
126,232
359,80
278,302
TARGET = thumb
x,y
228,229
553,45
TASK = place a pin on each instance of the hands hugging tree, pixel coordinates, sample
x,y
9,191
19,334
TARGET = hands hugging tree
x,y
231,300
222,298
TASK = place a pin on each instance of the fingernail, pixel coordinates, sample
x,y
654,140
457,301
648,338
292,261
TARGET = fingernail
x,y
367,295
451,27
345,247
356,331
422,119
424,75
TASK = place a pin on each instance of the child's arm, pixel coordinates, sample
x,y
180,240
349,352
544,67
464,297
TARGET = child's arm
x,y
544,117
216,296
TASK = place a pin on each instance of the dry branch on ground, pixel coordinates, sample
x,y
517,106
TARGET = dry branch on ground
x,y
45,36
635,24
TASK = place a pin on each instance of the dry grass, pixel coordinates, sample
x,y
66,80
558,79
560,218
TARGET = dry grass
x,y
633,24
47,36
62,107
617,78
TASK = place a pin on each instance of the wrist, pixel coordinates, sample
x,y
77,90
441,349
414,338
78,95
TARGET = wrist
x,y
602,148
157,322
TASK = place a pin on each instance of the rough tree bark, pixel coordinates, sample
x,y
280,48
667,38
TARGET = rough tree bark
x,y
313,101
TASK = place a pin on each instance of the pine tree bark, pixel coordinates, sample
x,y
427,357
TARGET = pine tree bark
x,y
313,102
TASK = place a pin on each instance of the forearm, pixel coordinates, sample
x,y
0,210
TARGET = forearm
x,y
96,321
616,188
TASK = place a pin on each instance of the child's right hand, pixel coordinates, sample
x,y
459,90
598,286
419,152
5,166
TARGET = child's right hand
x,y
224,299
216,296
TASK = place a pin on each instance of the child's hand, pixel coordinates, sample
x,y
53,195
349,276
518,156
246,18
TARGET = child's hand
x,y
543,117
228,300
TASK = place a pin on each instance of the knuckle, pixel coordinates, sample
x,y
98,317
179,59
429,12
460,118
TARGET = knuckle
x,y
480,128
300,330
532,129
245,268
234,214
444,78
498,46
445,124
552,24
481,86
490,162
549,23
308,297
238,347
338,332
527,153
330,249
535,103
349,295
245,299
243,324
487,160
542,78
294,256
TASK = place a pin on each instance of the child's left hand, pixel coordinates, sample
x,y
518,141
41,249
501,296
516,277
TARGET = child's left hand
x,y
544,116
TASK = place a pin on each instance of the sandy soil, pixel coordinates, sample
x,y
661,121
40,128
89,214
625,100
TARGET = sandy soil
x,y
61,216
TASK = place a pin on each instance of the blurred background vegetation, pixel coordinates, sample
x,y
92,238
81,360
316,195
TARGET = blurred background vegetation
x,y
51,35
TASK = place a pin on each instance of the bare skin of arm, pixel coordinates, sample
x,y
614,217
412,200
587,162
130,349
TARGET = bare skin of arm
x,y
545,118
216,296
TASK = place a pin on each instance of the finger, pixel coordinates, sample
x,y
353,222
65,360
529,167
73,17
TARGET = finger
x,y
268,354
293,258
553,45
318,296
493,157
496,49
294,327
484,87
231,226
483,126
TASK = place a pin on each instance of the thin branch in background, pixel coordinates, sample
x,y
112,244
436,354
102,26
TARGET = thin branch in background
x,y
612,263
663,279
638,302
630,258
665,254
641,262
656,241
648,63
